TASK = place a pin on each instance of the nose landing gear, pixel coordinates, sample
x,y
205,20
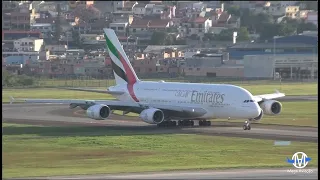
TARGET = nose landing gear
x,y
246,125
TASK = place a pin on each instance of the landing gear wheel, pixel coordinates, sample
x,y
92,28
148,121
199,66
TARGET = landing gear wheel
x,y
244,127
180,123
208,123
173,123
249,127
192,123
200,123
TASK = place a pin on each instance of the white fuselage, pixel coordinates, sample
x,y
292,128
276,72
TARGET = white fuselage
x,y
219,100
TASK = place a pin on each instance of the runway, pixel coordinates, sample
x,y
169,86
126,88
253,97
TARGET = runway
x,y
55,114
225,174
61,115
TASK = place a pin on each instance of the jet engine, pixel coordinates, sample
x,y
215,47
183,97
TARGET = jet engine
x,y
271,107
152,116
98,112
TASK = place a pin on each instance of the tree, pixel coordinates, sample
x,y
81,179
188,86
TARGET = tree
x,y
158,38
225,35
259,19
162,38
235,11
170,39
306,27
285,29
247,18
76,38
243,34
208,37
268,31
58,23
311,5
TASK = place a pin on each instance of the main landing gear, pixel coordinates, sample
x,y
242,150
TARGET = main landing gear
x,y
183,123
204,123
246,125
186,123
167,124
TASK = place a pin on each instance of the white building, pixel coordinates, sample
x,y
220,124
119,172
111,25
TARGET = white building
x,y
198,26
119,28
286,65
139,9
312,17
90,39
28,44
158,9
45,28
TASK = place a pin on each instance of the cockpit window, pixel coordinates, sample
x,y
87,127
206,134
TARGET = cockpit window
x,y
246,101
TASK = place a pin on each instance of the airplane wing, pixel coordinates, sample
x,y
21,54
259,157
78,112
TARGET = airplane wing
x,y
96,91
117,105
262,97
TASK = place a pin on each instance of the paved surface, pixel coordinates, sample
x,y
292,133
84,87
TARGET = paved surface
x,y
62,115
49,114
226,174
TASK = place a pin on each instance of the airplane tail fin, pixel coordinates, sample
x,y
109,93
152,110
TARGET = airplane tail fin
x,y
121,66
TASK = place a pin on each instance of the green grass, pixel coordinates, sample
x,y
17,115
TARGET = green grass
x,y
287,88
51,94
47,151
300,113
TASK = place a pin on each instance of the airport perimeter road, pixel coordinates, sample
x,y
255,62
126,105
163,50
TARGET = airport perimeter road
x,y
225,174
60,115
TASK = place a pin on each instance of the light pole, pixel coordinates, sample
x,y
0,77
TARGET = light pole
x,y
128,41
274,57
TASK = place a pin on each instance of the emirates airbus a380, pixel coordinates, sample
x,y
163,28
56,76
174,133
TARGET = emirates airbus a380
x,y
166,103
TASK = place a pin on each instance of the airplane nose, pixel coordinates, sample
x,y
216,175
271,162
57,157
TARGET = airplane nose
x,y
255,110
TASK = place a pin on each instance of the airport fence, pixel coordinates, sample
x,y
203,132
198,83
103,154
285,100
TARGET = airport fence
x,y
89,81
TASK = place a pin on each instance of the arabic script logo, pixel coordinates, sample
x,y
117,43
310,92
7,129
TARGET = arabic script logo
x,y
299,160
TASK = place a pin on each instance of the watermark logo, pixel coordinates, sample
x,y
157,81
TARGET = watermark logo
x,y
299,160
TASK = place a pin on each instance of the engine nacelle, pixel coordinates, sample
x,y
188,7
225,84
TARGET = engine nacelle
x,y
271,107
152,116
259,117
98,112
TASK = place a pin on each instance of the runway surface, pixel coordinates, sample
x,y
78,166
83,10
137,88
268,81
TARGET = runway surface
x,y
59,115
225,174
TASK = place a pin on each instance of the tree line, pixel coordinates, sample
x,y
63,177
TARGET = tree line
x,y
9,79
263,24
268,26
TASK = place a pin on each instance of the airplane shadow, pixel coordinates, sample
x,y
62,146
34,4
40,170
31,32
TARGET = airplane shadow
x,y
94,130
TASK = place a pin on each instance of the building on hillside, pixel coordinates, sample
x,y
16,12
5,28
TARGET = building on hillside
x,y
312,17
28,44
195,26
297,44
46,29
289,66
205,60
10,36
292,11
119,28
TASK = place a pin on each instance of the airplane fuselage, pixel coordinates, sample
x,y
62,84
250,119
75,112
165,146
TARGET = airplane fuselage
x,y
219,100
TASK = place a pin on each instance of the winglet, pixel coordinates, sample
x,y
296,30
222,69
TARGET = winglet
x,y
278,92
11,99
